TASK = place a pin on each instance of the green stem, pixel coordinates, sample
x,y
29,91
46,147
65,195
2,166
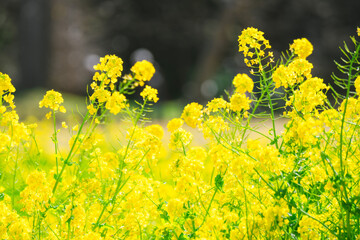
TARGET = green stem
x,y
14,179
342,168
55,143
68,158
207,210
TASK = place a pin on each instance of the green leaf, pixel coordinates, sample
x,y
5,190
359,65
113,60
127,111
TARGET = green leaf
x,y
219,182
165,216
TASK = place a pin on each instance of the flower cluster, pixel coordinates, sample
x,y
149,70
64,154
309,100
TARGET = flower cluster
x,y
254,47
295,73
104,94
150,94
110,68
52,100
302,48
246,181
243,83
143,71
192,114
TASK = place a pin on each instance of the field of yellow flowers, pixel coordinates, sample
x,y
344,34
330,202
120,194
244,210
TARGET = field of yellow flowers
x,y
299,183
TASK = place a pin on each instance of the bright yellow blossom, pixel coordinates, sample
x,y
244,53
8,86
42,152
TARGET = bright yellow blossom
x,y
156,130
92,109
180,139
239,102
243,83
5,84
150,94
102,95
143,71
174,124
116,102
38,192
52,100
357,85
302,48
192,114
253,45
251,38
216,104
296,72
111,67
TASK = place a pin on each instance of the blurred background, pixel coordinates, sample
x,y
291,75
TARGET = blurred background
x,y
53,44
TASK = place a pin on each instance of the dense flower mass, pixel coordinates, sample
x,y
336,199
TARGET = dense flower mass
x,y
302,48
53,100
150,94
5,84
174,124
239,102
296,72
243,83
143,71
357,85
246,180
116,103
110,68
217,104
192,114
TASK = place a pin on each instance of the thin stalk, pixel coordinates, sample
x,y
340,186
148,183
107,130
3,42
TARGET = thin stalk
x,y
207,210
14,179
119,186
55,140
267,84
70,153
342,170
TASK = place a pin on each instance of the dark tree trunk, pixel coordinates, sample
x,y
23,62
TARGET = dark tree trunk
x,y
34,43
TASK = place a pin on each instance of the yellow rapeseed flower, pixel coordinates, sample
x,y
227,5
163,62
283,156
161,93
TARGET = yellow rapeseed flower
x,y
156,130
92,109
357,85
101,95
38,192
243,83
143,71
251,38
174,124
253,45
113,67
5,84
302,47
296,72
239,102
192,114
216,104
116,103
150,94
180,139
52,100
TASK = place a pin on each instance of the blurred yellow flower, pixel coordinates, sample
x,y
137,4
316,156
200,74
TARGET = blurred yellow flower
x,y
174,124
